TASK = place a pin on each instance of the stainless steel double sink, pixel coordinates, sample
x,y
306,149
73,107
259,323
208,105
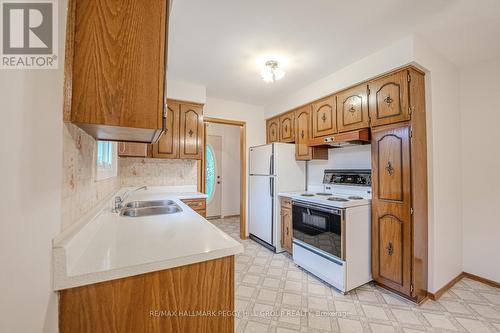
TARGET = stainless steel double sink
x,y
149,208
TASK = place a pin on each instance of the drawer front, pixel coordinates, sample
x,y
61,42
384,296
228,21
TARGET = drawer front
x,y
196,204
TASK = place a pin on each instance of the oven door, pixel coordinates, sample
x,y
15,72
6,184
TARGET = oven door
x,y
319,226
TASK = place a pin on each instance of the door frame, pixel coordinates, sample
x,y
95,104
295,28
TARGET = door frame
x,y
243,164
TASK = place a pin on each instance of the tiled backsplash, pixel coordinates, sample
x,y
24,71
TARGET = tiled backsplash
x,y
80,191
134,171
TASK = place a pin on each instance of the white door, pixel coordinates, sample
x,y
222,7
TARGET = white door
x,y
261,160
261,189
213,173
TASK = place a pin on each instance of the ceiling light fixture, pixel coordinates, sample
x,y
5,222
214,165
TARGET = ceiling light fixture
x,y
272,72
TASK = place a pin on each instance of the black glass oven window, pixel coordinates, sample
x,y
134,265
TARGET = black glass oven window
x,y
319,229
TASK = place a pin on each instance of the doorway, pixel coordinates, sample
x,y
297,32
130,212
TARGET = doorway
x,y
231,184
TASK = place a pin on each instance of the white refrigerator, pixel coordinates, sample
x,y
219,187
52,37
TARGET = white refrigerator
x,y
273,169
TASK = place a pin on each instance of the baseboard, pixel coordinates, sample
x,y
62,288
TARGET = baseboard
x,y
230,216
481,279
435,296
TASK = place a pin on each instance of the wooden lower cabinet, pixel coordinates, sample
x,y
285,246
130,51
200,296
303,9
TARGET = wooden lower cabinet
x,y
198,205
286,224
391,220
141,303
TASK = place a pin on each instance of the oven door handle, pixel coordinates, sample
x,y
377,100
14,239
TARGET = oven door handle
x,y
318,208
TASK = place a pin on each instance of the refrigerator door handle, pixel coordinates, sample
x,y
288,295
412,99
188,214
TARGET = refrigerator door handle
x,y
271,187
271,164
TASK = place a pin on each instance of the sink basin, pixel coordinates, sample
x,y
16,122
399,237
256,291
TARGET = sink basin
x,y
149,211
153,203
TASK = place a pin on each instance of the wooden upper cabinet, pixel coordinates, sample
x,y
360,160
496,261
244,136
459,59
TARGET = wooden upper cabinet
x,y
191,132
324,121
273,130
352,109
389,99
132,149
287,127
115,68
302,133
168,145
391,203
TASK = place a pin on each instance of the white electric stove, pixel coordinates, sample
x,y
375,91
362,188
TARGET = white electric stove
x,y
332,229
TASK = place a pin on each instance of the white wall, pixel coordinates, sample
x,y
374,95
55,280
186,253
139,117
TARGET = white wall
x,y
480,114
443,129
185,91
355,157
444,165
30,194
230,165
393,56
253,115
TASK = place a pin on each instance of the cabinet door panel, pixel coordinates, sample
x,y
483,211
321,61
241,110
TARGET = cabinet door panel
x,y
191,132
286,229
118,63
352,109
287,130
324,115
273,132
389,99
302,133
391,202
168,145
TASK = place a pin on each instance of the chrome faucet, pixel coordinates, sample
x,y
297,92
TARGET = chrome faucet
x,y
119,200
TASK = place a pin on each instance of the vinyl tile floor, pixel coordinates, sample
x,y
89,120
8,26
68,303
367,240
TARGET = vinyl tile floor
x,y
274,295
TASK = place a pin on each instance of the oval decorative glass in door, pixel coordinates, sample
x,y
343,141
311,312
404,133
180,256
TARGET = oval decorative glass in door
x,y
210,173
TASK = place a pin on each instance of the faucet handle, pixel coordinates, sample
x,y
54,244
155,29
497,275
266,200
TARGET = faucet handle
x,y
118,203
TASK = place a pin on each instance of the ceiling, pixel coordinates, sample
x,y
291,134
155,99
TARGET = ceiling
x,y
221,43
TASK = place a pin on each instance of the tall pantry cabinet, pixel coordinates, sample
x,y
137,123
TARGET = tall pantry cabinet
x,y
399,182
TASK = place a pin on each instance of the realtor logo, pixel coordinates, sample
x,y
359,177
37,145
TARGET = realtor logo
x,y
29,34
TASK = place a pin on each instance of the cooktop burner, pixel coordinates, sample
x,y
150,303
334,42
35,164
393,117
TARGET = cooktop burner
x,y
307,195
337,199
323,194
355,197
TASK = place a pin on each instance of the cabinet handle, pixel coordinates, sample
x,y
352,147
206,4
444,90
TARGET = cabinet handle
x,y
286,128
287,231
389,168
352,109
388,100
190,132
390,249
324,117
302,134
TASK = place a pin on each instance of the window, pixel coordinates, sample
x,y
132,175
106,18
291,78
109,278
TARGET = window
x,y
210,173
106,160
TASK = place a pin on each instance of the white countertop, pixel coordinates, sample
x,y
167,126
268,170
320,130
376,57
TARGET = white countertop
x,y
111,246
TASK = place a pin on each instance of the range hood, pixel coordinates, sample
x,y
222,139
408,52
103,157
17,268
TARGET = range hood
x,y
357,137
